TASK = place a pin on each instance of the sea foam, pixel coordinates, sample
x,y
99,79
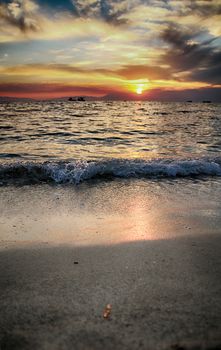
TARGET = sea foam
x,y
74,172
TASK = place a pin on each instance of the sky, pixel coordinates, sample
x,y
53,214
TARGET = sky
x,y
148,49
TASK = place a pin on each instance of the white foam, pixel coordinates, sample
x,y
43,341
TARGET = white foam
x,y
78,171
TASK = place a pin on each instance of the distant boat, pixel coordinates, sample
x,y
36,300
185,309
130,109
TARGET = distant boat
x,y
81,99
77,99
206,101
189,101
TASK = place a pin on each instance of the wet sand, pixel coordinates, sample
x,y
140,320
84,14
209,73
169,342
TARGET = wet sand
x,y
155,258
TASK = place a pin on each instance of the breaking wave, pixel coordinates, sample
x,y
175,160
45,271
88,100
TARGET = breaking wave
x,y
74,172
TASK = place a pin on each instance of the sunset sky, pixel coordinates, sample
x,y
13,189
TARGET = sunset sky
x,y
152,49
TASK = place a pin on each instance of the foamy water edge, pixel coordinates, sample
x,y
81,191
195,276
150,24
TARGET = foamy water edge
x,y
77,171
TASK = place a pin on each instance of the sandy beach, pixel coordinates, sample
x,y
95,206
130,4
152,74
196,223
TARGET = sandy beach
x,y
152,255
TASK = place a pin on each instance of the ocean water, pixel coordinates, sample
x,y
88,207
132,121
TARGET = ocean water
x,y
73,142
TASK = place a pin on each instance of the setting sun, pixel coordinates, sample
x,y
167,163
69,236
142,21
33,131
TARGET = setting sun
x,y
139,90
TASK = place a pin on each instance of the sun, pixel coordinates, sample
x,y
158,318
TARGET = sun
x,y
138,86
139,90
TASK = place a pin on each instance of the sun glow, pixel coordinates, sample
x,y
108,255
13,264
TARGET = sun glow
x,y
139,86
139,90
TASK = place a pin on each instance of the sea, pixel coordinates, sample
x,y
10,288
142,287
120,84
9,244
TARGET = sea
x,y
68,142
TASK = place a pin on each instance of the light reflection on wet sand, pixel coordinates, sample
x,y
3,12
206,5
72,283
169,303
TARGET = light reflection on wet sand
x,y
108,213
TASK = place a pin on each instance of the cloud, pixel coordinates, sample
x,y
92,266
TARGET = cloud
x,y
118,79
47,90
50,90
126,73
170,43
184,52
21,14
201,60
211,71
60,74
201,14
144,72
23,20
205,8
108,10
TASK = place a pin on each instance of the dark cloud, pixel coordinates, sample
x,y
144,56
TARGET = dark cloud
x,y
208,75
204,8
108,10
201,8
185,54
85,8
111,13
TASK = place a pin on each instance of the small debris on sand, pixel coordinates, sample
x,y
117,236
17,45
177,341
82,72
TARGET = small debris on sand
x,y
107,311
76,262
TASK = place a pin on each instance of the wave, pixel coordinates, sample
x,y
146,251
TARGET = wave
x,y
74,172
